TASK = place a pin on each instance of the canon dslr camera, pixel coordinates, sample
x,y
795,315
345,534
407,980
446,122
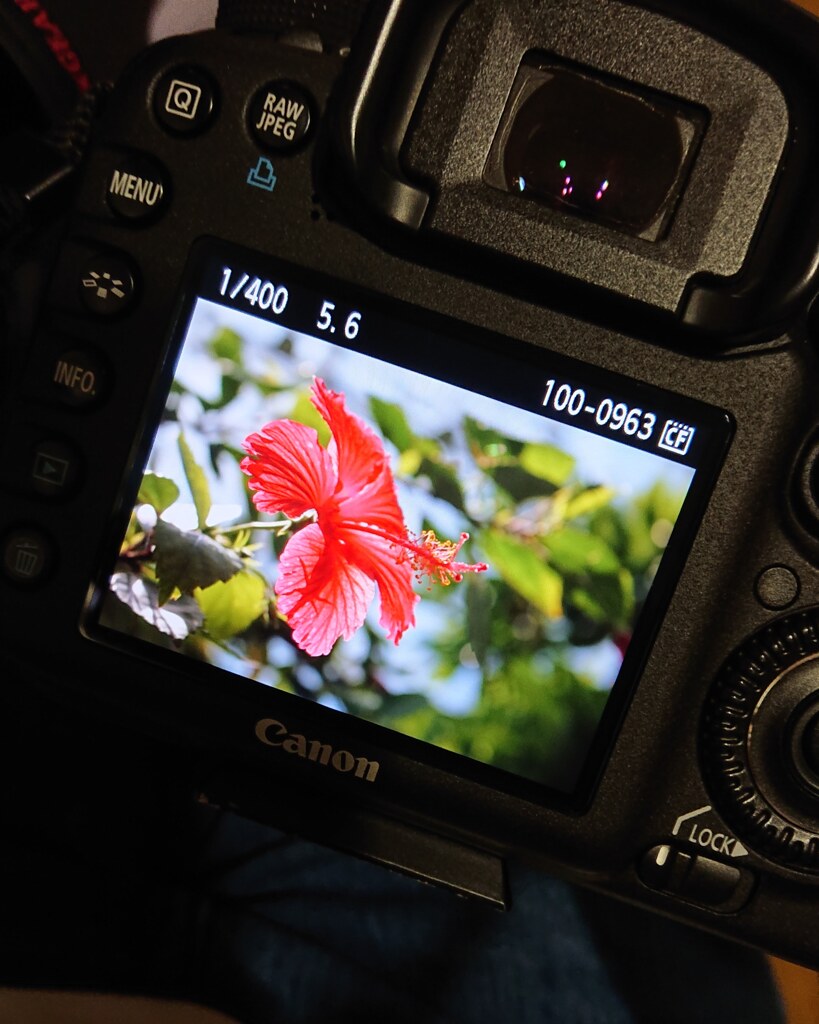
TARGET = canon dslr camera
x,y
421,434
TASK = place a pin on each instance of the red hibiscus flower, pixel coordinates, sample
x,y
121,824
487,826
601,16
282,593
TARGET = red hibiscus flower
x,y
329,569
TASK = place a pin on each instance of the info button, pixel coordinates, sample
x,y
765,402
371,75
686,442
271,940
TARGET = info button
x,y
78,378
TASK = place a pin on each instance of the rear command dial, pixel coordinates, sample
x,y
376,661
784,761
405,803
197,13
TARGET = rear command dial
x,y
760,741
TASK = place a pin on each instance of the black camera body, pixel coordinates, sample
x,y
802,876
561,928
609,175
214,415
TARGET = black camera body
x,y
317,317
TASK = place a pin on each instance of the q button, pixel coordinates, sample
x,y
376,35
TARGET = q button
x,y
184,100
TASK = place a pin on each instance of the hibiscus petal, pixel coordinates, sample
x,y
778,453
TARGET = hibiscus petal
x,y
323,595
289,470
382,561
366,488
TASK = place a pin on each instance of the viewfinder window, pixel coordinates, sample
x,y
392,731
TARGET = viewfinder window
x,y
597,147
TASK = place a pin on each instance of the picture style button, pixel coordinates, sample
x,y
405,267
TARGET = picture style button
x,y
279,116
184,100
107,285
138,188
55,469
27,556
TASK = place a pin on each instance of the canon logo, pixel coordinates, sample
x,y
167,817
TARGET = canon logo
x,y
276,734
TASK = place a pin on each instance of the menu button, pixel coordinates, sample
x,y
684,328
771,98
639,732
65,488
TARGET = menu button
x,y
137,188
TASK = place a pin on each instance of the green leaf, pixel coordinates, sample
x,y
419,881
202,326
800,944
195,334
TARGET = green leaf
x,y
607,599
575,551
305,412
176,619
197,482
158,491
227,344
230,607
187,560
519,484
392,423
589,500
491,444
230,389
479,604
399,705
445,483
525,571
409,462
547,462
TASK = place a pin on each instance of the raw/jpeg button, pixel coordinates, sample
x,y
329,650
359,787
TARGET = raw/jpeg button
x,y
279,116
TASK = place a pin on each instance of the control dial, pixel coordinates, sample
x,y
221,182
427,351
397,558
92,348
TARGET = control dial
x,y
760,741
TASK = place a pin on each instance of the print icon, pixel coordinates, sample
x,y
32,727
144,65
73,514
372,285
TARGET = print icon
x,y
262,175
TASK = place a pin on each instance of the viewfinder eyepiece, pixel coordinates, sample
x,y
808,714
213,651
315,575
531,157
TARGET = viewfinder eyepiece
x,y
594,146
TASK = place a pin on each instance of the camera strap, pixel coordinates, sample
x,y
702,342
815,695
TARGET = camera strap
x,y
45,119
335,22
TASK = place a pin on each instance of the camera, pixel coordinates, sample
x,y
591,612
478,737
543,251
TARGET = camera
x,y
422,440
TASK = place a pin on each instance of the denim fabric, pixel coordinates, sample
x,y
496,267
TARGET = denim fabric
x,y
297,933
112,879
301,934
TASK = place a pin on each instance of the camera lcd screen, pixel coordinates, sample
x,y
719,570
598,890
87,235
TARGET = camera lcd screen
x,y
453,536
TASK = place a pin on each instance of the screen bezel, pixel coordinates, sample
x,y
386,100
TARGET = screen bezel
x,y
205,253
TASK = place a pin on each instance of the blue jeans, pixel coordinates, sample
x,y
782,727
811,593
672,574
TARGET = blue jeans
x,y
109,881
299,934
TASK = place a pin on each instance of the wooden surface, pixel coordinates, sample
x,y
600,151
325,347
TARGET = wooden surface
x,y
800,992
28,1007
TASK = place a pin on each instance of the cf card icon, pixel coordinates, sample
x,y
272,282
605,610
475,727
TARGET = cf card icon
x,y
676,437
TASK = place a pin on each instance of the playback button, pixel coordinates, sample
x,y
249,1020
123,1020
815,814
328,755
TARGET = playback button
x,y
54,470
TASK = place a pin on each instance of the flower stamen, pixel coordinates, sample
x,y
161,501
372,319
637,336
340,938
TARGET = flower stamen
x,y
428,555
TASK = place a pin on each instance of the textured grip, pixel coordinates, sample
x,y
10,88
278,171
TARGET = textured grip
x,y
334,21
761,801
